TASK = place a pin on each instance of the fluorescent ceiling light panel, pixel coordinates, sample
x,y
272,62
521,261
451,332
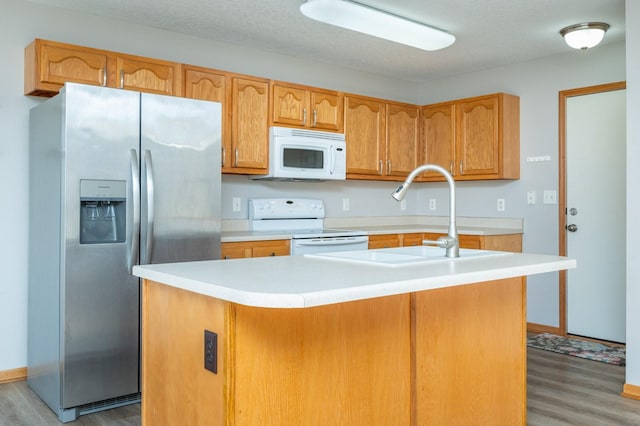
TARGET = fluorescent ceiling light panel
x,y
367,20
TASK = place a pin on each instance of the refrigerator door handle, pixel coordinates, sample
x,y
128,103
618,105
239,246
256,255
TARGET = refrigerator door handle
x,y
150,213
134,247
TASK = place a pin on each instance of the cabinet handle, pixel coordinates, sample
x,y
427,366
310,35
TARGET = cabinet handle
x,y
223,156
273,253
122,78
461,168
315,118
104,76
304,116
236,158
451,167
388,167
380,168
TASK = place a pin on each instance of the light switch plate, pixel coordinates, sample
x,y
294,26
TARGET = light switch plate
x,y
549,197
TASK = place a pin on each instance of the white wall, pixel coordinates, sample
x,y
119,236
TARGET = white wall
x,y
537,84
633,191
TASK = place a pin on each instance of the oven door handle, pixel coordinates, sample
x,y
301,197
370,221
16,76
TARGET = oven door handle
x,y
339,241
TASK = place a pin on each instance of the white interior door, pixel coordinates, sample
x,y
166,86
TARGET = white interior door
x,y
596,235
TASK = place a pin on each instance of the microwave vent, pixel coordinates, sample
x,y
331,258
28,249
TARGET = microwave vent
x,y
289,131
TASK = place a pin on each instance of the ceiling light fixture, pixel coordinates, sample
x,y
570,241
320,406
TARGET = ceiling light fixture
x,y
585,35
367,20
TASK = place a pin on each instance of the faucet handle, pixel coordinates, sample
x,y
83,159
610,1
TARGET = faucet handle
x,y
442,242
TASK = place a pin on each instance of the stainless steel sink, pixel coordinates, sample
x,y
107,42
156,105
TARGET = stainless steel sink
x,y
404,256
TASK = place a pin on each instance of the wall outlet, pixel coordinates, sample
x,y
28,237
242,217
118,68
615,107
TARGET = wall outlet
x,y
500,204
531,197
432,204
236,204
345,205
211,351
403,205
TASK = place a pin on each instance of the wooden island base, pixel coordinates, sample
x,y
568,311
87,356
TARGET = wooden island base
x,y
451,356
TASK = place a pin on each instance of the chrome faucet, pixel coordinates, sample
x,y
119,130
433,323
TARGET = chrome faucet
x,y
450,242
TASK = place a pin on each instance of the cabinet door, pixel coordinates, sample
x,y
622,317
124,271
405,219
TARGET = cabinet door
x,y
364,130
147,75
327,111
438,144
271,248
402,139
203,84
384,241
290,106
477,148
48,65
249,152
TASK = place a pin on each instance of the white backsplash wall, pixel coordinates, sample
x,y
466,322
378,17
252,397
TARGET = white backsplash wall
x,y
373,198
366,198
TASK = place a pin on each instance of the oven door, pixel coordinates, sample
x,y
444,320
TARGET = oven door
x,y
328,244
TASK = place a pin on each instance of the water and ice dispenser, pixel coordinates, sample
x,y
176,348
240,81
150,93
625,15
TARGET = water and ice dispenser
x,y
103,211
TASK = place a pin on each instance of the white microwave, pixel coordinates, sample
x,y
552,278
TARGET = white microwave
x,y
298,154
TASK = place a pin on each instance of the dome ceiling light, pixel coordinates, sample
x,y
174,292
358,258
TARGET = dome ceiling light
x,y
584,36
364,19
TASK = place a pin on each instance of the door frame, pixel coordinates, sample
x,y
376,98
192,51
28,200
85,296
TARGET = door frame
x,y
562,182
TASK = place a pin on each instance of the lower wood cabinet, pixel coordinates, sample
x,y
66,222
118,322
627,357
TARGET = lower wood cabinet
x,y
507,242
239,250
385,241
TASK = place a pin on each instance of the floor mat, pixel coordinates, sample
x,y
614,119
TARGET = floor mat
x,y
579,348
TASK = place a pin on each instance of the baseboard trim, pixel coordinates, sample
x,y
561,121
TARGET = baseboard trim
x,y
631,391
14,375
541,328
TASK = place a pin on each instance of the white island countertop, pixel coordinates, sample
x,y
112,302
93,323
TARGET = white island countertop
x,y
301,282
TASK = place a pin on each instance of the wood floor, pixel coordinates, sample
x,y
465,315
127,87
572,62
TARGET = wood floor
x,y
562,390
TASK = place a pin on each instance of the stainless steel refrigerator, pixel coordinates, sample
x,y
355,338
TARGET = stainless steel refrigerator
x,y
117,178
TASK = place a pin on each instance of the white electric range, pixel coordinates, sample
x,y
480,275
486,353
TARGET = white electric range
x,y
303,218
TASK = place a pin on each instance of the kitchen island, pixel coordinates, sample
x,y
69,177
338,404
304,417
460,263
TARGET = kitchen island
x,y
308,341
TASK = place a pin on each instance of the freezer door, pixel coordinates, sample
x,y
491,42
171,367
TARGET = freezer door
x,y
100,299
180,179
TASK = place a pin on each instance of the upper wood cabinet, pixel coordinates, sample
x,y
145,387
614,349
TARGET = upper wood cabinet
x,y
488,137
247,151
438,137
204,84
382,138
403,138
147,75
306,107
48,65
474,138
365,136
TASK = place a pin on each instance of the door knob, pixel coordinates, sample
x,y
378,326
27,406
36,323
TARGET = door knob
x,y
572,228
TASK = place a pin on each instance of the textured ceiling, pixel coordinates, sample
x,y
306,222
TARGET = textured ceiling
x,y
489,33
